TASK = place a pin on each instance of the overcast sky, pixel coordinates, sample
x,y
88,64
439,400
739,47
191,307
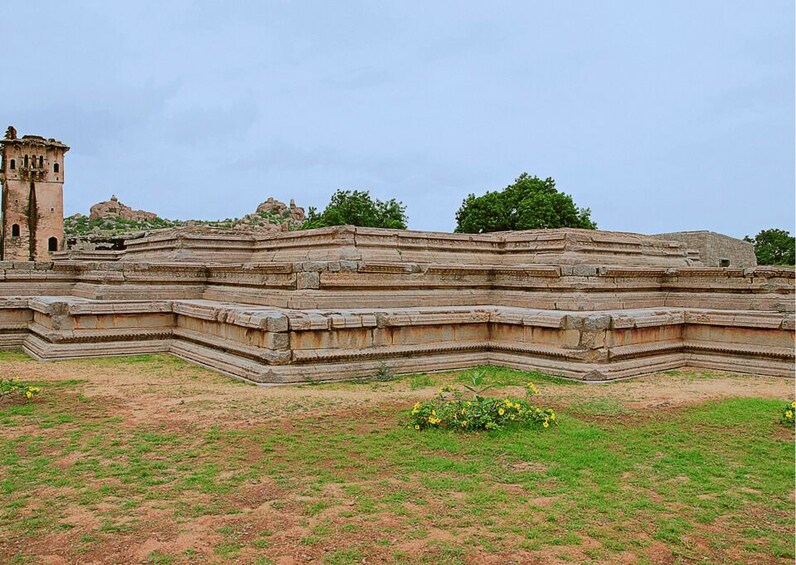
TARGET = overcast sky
x,y
659,116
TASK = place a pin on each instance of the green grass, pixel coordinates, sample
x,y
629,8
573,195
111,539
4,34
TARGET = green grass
x,y
718,475
501,377
13,355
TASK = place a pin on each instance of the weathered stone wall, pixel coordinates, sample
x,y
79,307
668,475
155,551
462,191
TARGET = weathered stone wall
x,y
279,346
32,176
345,315
715,249
343,243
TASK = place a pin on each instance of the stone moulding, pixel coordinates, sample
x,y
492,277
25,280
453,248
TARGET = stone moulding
x,y
556,246
272,345
338,303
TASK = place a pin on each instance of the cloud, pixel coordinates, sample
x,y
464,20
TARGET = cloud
x,y
657,116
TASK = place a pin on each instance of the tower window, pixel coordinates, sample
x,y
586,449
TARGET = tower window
x,y
26,161
56,168
41,162
13,164
15,230
52,244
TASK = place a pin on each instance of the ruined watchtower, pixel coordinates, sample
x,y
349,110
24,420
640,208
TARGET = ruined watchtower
x,y
32,177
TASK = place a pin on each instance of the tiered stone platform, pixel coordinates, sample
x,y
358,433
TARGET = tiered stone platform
x,y
337,303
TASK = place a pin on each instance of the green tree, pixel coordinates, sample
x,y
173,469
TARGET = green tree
x,y
529,203
357,208
773,247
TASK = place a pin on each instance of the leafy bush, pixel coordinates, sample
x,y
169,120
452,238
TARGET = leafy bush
x,y
529,203
787,413
13,387
452,410
358,208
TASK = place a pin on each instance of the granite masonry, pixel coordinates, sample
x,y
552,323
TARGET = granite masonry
x,y
337,303
32,180
342,302
716,249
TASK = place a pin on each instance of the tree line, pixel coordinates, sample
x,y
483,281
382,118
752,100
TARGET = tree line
x,y
529,203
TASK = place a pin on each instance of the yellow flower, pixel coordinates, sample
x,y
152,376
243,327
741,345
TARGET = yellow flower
x,y
552,416
546,425
469,403
512,416
793,404
789,414
464,423
501,411
508,402
464,410
417,427
29,394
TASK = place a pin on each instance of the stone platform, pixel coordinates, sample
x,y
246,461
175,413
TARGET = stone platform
x,y
338,303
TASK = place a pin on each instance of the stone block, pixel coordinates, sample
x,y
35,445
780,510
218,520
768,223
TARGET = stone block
x,y
597,322
584,270
308,280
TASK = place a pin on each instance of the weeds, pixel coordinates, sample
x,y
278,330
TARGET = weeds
x,y
16,388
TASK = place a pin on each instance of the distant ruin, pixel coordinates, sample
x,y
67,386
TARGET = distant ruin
x,y
32,179
715,249
281,306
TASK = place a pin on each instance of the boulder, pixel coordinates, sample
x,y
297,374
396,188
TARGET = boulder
x,y
114,209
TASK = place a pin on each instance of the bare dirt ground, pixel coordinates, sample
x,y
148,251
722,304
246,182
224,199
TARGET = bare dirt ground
x,y
276,519
147,391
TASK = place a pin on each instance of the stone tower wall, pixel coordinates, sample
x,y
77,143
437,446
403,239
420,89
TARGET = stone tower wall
x,y
32,197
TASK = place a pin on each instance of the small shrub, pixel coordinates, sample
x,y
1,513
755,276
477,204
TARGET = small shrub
x,y
384,373
13,387
451,410
787,413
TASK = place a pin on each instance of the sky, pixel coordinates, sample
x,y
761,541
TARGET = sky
x,y
657,115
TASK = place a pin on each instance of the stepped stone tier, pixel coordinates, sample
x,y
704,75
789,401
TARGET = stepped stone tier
x,y
337,303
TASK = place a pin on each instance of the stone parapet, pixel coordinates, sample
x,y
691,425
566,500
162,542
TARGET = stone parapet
x,y
275,345
556,246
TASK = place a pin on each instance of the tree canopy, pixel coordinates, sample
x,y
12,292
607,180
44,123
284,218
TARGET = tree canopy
x,y
773,247
357,208
529,203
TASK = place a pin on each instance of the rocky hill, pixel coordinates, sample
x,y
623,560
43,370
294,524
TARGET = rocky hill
x,y
113,218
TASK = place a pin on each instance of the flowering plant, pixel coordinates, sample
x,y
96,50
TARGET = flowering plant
x,y
451,410
787,413
13,387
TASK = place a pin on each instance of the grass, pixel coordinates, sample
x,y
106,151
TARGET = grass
x,y
498,377
714,479
17,356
